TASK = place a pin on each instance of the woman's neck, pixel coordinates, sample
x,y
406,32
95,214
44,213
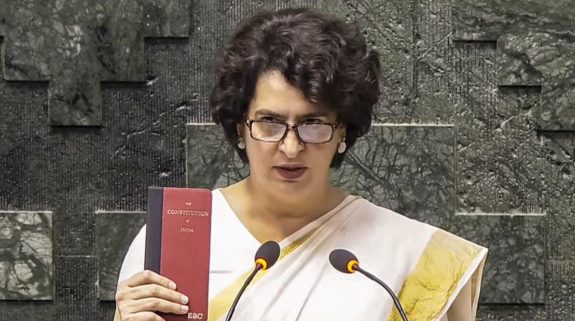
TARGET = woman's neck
x,y
269,216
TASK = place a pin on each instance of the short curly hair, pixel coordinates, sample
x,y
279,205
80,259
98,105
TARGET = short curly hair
x,y
321,55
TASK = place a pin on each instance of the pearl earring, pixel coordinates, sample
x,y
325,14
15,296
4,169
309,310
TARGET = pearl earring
x,y
241,143
341,147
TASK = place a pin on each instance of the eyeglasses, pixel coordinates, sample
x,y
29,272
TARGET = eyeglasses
x,y
274,131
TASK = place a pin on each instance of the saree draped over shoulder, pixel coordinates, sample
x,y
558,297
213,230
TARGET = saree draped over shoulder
x,y
425,266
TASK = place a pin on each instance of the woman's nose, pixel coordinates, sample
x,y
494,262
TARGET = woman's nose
x,y
291,144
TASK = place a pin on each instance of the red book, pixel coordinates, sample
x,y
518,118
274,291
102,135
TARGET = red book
x,y
178,226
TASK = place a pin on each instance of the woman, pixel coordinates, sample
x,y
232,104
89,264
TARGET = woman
x,y
295,90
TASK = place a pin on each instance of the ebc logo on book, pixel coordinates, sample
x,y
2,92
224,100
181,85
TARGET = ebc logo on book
x,y
195,316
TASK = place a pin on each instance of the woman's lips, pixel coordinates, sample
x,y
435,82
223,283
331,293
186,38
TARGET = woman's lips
x,y
290,173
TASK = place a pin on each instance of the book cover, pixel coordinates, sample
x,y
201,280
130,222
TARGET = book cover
x,y
178,225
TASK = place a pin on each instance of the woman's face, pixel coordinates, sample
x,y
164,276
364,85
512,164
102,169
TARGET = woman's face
x,y
291,168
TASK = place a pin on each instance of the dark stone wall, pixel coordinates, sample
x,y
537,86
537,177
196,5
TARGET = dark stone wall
x,y
475,133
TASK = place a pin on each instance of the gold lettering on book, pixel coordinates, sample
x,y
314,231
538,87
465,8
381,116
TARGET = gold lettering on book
x,y
187,229
187,212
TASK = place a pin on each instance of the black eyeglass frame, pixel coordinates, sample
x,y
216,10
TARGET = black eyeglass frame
x,y
288,126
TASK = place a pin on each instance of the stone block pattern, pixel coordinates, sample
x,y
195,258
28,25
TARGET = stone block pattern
x,y
560,204
212,22
407,169
75,172
526,97
498,148
387,25
77,44
26,269
114,234
535,47
76,291
107,168
27,310
210,160
493,312
515,268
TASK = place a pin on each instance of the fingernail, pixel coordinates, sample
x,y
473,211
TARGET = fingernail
x,y
172,285
184,299
184,307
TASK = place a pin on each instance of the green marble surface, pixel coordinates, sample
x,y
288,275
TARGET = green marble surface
x,y
75,45
387,26
407,169
114,234
535,47
76,288
26,257
515,268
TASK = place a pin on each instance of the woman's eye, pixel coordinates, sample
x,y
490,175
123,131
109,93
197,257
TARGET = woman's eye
x,y
314,121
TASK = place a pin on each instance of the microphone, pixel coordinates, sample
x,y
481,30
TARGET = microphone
x,y
344,261
266,256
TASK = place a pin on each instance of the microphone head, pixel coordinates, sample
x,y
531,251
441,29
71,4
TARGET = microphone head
x,y
267,255
343,261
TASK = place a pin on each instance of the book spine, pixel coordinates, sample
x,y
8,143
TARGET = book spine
x,y
179,244
154,228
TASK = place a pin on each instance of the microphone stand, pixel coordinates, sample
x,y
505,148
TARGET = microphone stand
x,y
387,288
246,283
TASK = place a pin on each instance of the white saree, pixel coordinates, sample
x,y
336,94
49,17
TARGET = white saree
x,y
427,267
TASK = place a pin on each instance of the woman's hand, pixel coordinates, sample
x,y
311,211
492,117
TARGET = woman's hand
x,y
145,293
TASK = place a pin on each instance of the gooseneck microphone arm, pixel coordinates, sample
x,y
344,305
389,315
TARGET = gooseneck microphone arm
x,y
238,296
346,262
266,256
387,288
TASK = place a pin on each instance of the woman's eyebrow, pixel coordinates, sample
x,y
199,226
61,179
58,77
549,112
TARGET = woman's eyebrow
x,y
314,114
267,112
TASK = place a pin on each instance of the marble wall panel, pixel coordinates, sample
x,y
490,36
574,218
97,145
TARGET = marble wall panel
x,y
3,10
535,43
74,231
211,162
508,312
536,47
26,310
106,168
388,27
514,66
559,151
77,44
76,288
560,276
407,169
515,267
213,23
434,73
498,150
106,310
26,256
22,148
114,234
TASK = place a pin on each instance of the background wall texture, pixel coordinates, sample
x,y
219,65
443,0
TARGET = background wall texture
x,y
475,133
